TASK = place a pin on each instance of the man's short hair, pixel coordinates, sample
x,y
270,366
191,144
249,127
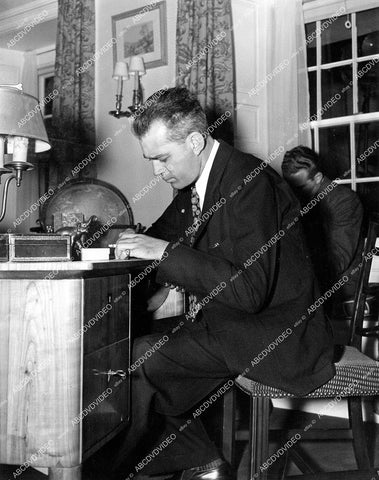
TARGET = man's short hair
x,y
301,158
178,109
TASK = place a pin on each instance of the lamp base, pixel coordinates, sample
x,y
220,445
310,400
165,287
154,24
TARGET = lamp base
x,y
23,166
19,167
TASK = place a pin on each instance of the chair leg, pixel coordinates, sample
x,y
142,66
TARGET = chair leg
x,y
228,426
258,436
359,435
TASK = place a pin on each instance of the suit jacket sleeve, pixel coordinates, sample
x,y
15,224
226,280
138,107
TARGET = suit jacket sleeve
x,y
244,264
342,230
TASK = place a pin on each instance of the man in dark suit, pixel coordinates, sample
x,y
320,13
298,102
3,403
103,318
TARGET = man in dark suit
x,y
332,218
236,249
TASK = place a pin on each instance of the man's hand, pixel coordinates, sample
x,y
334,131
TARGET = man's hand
x,y
140,246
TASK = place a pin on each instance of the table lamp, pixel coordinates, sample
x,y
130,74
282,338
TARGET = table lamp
x,y
20,120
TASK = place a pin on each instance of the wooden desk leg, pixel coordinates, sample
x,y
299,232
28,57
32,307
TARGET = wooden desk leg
x,y
70,473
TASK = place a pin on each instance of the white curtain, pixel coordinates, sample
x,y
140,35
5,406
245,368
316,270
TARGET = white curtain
x,y
287,79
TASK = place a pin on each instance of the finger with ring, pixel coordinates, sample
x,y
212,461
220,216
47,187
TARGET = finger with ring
x,y
125,254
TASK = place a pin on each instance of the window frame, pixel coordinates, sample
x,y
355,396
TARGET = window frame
x,y
43,75
318,11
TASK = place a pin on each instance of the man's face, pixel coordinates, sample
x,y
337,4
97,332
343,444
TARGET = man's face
x,y
175,162
303,185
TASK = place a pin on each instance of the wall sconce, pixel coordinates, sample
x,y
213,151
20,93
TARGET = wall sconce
x,y
20,119
121,73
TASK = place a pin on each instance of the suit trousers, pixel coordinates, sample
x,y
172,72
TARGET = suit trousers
x,y
171,373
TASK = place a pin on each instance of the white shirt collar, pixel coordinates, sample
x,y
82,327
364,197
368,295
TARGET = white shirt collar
x,y
202,181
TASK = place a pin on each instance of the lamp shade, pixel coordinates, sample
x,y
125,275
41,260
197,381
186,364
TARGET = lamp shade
x,y
20,116
120,71
137,65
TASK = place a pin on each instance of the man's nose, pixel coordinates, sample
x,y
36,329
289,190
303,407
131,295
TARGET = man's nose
x,y
158,167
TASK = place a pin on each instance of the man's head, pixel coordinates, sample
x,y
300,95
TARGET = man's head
x,y
171,127
300,168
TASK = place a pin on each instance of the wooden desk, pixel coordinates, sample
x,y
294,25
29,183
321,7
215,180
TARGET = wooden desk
x,y
62,325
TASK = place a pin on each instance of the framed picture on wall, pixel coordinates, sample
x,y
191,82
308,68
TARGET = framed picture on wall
x,y
141,32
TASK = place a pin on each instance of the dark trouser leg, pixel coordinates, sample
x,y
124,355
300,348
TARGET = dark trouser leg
x,y
184,368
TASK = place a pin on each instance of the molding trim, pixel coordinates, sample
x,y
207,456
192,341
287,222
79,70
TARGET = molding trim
x,y
47,49
319,9
17,18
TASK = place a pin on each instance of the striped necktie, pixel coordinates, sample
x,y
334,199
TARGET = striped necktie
x,y
193,308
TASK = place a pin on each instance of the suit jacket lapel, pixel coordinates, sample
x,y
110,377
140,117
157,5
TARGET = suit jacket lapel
x,y
212,194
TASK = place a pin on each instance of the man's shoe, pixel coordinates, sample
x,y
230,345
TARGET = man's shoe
x,y
222,472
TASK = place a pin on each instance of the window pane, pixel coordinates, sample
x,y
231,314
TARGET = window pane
x,y
367,149
335,152
312,79
369,194
335,40
337,97
368,80
368,32
49,87
310,39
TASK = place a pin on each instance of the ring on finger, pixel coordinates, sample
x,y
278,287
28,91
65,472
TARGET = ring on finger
x,y
125,254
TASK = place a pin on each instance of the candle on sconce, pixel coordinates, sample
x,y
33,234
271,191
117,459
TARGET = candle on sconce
x,y
2,141
136,81
137,67
20,149
120,74
9,144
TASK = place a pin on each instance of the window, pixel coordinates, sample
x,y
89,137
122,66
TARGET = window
x,y
343,72
45,94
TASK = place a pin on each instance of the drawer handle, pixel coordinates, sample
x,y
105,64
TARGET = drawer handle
x,y
110,373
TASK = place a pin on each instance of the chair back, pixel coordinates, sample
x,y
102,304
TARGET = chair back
x,y
369,251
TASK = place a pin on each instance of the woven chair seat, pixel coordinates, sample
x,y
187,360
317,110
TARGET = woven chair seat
x,y
356,375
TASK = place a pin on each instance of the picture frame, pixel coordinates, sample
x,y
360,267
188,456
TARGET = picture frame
x,y
141,32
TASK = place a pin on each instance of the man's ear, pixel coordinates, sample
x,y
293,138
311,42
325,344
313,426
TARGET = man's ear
x,y
318,177
196,142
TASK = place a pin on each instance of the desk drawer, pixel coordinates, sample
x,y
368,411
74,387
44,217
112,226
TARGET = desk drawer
x,y
106,402
106,311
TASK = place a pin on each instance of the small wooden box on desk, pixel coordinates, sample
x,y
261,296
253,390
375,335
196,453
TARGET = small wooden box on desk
x,y
64,355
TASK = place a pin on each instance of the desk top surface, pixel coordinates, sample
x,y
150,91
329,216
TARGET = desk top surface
x,y
7,269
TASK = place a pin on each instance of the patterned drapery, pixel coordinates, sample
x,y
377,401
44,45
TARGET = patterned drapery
x,y
204,62
73,122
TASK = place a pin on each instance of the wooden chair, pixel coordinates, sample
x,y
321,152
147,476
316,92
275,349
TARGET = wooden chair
x,y
357,376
